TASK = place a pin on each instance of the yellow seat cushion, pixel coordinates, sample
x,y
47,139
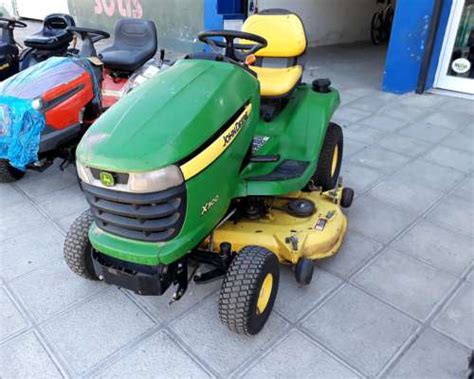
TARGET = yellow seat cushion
x,y
277,81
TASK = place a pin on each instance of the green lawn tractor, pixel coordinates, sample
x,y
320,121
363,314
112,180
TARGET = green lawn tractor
x,y
219,162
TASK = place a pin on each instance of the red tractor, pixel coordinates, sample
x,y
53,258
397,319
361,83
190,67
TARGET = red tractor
x,y
45,109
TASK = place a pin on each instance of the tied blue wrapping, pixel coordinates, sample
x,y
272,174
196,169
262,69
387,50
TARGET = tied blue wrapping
x,y
20,131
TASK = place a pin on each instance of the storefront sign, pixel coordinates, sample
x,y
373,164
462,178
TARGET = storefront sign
x,y
461,66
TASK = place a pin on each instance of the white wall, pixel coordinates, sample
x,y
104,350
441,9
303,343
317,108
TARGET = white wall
x,y
40,9
6,8
329,22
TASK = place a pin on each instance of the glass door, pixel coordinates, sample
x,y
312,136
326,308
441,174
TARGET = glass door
x,y
456,68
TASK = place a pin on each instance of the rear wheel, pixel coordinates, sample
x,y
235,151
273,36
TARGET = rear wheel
x,y
376,28
78,249
8,173
249,290
330,159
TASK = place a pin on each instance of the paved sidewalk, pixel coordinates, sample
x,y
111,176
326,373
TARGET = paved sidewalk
x,y
397,301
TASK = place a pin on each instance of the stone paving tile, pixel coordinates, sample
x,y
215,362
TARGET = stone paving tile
x,y
445,249
66,222
360,178
351,147
307,361
346,115
465,105
432,356
431,174
37,184
379,158
89,333
369,103
459,141
445,156
457,318
160,308
425,132
470,277
422,101
294,301
11,320
211,341
454,213
361,329
41,245
64,203
9,196
378,220
363,133
468,130
384,123
355,251
404,145
19,219
52,288
25,357
448,119
409,195
408,113
157,357
408,284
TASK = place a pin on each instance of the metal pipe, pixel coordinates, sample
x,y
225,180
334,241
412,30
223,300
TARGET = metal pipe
x,y
430,43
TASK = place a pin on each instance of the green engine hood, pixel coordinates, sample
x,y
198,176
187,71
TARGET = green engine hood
x,y
168,118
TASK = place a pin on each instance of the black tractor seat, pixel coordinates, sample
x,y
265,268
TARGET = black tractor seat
x,y
135,42
54,34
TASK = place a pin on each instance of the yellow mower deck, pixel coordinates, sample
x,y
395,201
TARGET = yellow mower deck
x,y
291,238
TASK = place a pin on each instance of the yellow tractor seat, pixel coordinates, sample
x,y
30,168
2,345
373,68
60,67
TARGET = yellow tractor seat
x,y
276,82
286,37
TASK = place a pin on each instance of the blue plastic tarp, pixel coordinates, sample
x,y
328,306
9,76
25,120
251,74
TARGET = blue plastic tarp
x,y
20,131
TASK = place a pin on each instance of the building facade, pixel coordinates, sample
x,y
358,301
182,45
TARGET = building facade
x,y
431,43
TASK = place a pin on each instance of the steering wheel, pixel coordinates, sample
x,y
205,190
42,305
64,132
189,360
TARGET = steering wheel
x,y
208,37
95,35
14,23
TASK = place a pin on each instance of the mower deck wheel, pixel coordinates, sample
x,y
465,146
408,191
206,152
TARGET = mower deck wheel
x,y
249,290
304,270
9,173
330,159
347,197
78,249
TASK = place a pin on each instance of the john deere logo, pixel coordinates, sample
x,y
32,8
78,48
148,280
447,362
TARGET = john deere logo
x,y
107,179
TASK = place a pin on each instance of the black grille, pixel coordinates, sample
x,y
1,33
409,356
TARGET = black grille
x,y
151,217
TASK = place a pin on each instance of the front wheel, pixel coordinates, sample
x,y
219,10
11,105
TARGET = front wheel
x,y
249,290
8,173
330,159
78,249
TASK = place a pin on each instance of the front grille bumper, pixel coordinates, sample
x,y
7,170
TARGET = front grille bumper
x,y
149,217
143,280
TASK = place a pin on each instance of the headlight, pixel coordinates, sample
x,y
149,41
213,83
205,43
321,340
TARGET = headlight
x,y
154,181
138,182
84,173
37,103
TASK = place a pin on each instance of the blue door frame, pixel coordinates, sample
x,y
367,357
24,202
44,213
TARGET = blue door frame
x,y
408,44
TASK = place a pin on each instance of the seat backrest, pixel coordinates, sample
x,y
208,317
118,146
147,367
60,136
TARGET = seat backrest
x,y
57,21
135,33
283,30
